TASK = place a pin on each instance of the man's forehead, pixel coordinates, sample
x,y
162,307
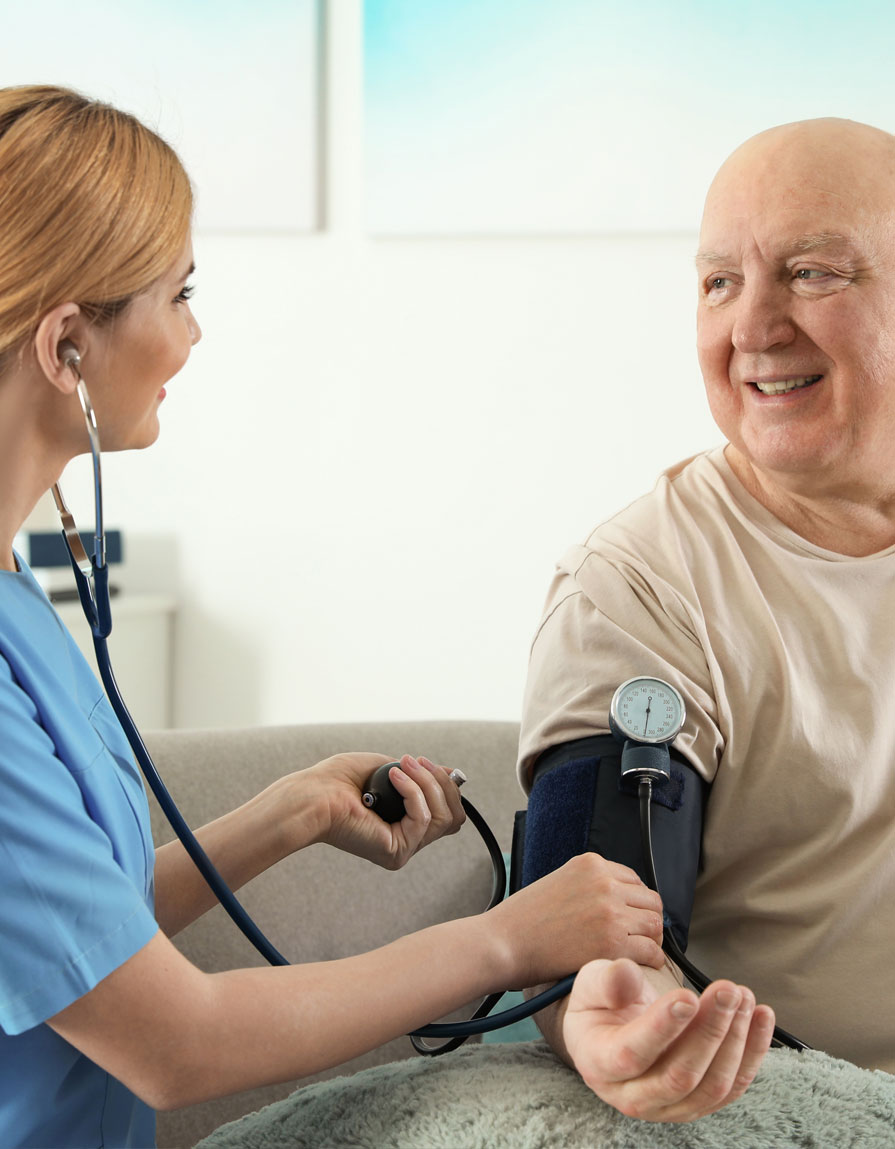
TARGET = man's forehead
x,y
787,218
830,243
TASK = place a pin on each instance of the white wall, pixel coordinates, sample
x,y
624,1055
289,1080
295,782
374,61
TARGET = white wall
x,y
374,457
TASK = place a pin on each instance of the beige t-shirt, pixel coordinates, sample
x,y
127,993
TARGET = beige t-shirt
x,y
785,656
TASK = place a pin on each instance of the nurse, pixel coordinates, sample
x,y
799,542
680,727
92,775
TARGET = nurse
x,y
101,1018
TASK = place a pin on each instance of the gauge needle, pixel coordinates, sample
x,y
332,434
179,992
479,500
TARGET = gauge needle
x,y
649,703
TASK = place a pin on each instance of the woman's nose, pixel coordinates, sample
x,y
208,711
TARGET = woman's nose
x,y
194,329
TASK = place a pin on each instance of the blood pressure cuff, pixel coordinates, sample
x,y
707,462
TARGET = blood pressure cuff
x,y
579,801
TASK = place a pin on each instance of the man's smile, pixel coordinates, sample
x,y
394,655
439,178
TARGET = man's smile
x,y
784,386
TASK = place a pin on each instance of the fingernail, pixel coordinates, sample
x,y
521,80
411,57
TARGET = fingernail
x,y
409,760
747,1004
683,1009
727,999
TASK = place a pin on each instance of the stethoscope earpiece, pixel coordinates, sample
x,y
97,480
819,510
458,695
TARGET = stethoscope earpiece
x,y
70,355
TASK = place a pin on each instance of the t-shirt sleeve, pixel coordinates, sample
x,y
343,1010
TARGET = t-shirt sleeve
x,y
69,913
606,622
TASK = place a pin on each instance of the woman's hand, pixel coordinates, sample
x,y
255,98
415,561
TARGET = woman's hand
x,y
431,801
663,1057
586,909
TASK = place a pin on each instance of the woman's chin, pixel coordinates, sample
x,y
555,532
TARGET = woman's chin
x,y
138,440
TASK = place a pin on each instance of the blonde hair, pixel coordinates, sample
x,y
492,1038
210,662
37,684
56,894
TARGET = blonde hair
x,y
94,207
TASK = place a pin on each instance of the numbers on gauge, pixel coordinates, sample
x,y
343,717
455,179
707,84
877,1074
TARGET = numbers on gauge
x,y
648,710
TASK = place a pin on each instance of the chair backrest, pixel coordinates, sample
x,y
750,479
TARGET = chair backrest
x,y
322,904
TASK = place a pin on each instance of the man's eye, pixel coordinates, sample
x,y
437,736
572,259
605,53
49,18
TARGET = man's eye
x,y
809,273
718,283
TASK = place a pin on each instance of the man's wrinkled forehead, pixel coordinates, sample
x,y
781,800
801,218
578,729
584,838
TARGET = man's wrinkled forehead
x,y
831,244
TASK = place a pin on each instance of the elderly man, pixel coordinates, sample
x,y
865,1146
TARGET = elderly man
x,y
759,580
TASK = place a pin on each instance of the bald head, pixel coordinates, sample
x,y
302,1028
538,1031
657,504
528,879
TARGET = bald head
x,y
828,138
828,159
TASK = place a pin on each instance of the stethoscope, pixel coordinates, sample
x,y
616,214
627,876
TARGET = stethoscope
x,y
92,581
645,757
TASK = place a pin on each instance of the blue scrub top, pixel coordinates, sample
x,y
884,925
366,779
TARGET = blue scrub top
x,y
76,865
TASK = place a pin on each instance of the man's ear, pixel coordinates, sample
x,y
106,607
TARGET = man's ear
x,y
59,327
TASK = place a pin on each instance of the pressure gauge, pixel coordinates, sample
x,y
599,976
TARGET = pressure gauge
x,y
646,710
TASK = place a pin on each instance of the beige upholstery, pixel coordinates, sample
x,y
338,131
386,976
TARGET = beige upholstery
x,y
322,904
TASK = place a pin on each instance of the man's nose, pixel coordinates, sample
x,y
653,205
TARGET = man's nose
x,y
762,319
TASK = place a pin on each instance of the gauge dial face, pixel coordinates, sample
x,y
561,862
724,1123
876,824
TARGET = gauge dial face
x,y
647,710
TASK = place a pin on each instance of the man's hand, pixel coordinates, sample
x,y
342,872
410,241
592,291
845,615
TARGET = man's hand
x,y
668,1057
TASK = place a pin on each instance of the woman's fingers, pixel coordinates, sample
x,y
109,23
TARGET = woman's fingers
x,y
644,943
417,814
449,783
431,801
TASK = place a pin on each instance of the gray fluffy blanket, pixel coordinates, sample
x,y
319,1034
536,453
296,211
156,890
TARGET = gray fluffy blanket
x,y
520,1096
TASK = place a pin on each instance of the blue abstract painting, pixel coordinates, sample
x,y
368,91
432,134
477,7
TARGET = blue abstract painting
x,y
581,116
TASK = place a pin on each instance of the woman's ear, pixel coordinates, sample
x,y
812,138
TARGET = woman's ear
x,y
56,334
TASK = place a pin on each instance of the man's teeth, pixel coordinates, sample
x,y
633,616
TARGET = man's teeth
x,y
782,386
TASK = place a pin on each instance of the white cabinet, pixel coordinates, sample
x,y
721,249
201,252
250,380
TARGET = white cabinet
x,y
141,648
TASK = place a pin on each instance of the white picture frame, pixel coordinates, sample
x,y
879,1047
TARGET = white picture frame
x,y
233,85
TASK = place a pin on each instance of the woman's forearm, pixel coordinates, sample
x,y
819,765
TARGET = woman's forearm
x,y
177,1036
320,803
342,1009
242,844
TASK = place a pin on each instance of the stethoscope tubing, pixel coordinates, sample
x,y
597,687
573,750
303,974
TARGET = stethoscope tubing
x,y
95,601
180,826
96,606
92,581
